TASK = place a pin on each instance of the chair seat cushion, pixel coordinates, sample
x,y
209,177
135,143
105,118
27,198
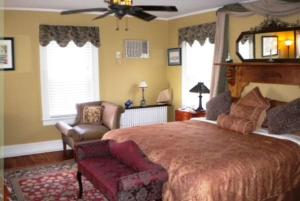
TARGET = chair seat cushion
x,y
90,132
104,173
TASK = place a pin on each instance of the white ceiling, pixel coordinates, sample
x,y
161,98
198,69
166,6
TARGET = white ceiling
x,y
185,7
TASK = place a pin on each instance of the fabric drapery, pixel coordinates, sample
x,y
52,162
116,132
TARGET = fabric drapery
x,y
80,35
291,1
198,32
263,7
221,49
273,7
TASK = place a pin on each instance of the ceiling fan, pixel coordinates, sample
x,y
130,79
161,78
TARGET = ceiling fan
x,y
123,7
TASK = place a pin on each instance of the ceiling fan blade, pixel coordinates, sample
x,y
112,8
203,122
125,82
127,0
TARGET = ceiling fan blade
x,y
158,8
104,15
83,10
142,15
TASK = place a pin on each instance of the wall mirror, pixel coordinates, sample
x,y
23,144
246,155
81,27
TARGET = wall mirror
x,y
273,41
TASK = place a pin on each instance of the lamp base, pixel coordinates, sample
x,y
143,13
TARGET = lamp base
x,y
143,103
199,109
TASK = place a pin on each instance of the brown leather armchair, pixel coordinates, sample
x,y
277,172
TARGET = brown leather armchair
x,y
78,132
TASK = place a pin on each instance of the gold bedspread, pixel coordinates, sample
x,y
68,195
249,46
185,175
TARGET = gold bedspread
x,y
207,163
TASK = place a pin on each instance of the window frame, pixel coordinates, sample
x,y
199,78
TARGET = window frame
x,y
47,119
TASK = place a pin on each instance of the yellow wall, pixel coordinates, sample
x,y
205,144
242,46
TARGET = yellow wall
x,y
117,81
23,114
1,106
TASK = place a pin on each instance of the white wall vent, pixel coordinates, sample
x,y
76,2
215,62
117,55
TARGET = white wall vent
x,y
137,49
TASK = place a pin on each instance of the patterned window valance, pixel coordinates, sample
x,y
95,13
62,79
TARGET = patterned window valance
x,y
64,34
198,32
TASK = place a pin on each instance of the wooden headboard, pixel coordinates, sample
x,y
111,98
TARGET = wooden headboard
x,y
239,75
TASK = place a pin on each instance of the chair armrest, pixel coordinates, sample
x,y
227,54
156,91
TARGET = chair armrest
x,y
91,149
111,115
67,130
137,180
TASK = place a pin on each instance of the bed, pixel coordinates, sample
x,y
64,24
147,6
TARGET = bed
x,y
209,163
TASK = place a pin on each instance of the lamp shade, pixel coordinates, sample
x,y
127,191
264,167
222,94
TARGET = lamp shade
x,y
200,88
143,84
288,42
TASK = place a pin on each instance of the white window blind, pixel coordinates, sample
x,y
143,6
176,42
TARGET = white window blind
x,y
197,67
69,76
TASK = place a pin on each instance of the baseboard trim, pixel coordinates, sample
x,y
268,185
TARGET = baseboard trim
x,y
32,148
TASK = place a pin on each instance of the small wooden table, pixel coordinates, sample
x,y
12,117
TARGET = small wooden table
x,y
181,115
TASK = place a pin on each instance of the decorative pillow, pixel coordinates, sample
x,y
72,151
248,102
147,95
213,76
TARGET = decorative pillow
x,y
92,115
273,103
255,99
254,114
218,105
284,118
239,125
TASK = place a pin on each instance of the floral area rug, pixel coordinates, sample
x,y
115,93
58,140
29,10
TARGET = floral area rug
x,y
55,182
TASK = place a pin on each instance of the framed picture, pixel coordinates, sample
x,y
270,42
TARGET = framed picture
x,y
7,60
269,46
174,57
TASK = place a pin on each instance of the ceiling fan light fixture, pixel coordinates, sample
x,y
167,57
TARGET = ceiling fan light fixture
x,y
120,8
122,2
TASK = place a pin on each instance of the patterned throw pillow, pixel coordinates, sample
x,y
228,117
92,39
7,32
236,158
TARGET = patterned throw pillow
x,y
237,124
256,100
218,105
254,114
92,115
273,103
284,118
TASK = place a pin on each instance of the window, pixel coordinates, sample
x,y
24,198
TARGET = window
x,y
197,67
69,75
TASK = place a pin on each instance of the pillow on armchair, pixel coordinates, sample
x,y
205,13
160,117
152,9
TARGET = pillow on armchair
x,y
92,115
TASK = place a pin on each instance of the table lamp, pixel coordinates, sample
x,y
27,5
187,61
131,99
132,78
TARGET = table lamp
x,y
143,85
288,43
201,89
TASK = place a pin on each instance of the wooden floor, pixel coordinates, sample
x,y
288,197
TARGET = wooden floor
x,y
37,159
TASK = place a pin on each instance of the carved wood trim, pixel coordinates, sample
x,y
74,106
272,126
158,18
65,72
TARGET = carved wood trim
x,y
239,75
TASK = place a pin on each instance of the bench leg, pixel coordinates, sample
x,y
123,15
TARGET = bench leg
x,y
80,184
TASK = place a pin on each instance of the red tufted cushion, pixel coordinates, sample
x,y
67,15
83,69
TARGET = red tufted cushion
x,y
130,154
104,172
122,173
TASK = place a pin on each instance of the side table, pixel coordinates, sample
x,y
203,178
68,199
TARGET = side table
x,y
181,115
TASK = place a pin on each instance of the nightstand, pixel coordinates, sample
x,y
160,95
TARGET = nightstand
x,y
181,115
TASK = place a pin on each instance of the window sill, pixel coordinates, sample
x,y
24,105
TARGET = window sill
x,y
54,120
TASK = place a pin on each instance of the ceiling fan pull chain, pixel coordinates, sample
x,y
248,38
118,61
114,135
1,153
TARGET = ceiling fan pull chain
x,y
126,24
117,24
